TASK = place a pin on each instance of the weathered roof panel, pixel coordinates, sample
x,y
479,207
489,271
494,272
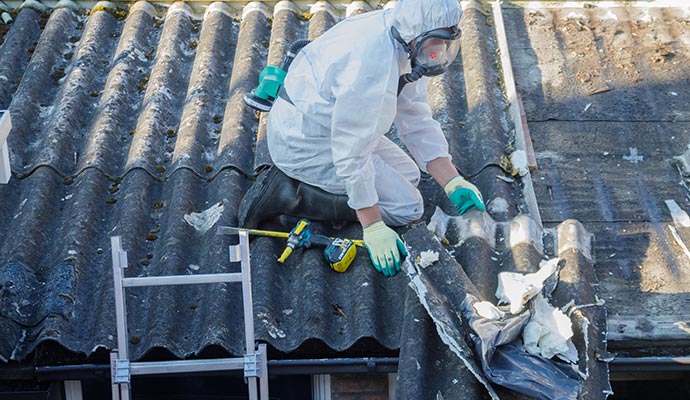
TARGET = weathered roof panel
x,y
130,122
605,92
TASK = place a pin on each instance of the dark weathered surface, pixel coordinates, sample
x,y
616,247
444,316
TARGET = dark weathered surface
x,y
599,86
126,123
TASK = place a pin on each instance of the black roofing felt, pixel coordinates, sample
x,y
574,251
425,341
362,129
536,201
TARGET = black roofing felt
x,y
128,125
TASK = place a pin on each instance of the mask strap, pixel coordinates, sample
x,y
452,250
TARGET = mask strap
x,y
398,38
414,75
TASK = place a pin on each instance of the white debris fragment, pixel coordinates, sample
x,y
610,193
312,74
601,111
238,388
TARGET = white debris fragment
x,y
72,252
455,381
488,310
438,223
679,240
205,220
288,311
680,217
606,153
520,163
548,332
272,330
516,289
505,178
673,93
570,355
426,258
193,267
633,157
587,107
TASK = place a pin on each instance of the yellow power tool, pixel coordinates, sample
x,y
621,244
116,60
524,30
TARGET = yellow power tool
x,y
339,252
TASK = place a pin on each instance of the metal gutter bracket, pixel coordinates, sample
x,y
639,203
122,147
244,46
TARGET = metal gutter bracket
x,y
121,371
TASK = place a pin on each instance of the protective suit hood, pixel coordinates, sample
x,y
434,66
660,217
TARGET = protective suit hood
x,y
413,17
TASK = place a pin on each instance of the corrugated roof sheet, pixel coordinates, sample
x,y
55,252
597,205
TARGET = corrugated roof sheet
x,y
127,120
606,94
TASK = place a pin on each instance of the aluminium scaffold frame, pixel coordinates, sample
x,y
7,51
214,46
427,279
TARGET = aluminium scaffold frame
x,y
254,363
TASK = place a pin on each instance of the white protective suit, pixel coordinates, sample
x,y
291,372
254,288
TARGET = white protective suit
x,y
344,89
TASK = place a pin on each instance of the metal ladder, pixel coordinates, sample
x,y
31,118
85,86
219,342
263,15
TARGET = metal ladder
x,y
254,362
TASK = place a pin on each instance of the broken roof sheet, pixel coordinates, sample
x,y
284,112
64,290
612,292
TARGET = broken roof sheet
x,y
606,91
126,121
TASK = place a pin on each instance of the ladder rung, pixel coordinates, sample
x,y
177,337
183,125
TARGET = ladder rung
x,y
181,279
182,366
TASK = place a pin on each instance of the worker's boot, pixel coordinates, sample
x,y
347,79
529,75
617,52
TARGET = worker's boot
x,y
275,193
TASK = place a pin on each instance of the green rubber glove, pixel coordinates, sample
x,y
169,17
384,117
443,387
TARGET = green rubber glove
x,y
385,247
463,195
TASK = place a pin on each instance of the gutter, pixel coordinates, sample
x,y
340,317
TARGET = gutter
x,y
275,367
345,365
650,364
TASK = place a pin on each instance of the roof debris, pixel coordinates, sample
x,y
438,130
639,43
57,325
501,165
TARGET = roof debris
x,y
426,258
488,310
680,217
516,289
549,331
205,220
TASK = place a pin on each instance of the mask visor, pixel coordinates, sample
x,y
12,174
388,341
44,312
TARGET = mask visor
x,y
436,53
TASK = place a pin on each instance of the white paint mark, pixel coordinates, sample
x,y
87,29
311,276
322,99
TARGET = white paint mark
x,y
633,157
205,220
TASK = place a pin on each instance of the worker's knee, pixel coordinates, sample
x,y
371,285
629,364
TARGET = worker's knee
x,y
400,214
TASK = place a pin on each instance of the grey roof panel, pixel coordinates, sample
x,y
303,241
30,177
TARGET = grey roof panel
x,y
625,62
132,126
605,92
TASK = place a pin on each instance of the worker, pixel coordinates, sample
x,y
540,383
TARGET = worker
x,y
325,133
